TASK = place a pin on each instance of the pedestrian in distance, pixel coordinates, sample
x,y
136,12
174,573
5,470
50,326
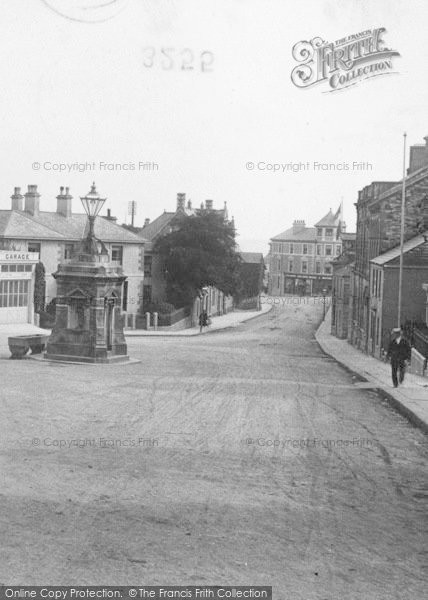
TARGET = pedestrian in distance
x,y
399,354
203,320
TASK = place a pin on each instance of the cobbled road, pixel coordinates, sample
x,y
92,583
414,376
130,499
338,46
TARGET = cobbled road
x,y
240,457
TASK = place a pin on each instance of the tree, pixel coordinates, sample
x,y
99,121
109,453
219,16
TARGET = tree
x,y
39,288
199,252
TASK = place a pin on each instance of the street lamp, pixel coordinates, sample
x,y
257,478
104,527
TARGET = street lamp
x,y
324,292
92,203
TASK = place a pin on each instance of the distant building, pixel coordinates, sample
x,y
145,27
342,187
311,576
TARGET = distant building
x,y
29,235
251,273
300,258
155,274
340,295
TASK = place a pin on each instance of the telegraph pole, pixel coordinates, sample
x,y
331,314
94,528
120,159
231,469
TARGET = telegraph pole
x,y
132,210
403,203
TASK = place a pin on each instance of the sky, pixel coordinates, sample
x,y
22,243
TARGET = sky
x,y
93,91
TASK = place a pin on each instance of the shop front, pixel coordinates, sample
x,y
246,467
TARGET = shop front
x,y
17,286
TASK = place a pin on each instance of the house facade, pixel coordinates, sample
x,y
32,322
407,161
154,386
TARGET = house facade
x,y
155,274
384,283
378,230
340,295
300,258
51,238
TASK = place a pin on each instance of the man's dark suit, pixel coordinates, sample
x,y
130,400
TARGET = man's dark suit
x,y
398,353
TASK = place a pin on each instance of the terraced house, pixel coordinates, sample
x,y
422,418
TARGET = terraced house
x,y
374,280
29,235
300,258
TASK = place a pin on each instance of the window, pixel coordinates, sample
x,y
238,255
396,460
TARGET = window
x,y
14,292
319,250
278,265
147,293
286,248
328,250
305,248
318,268
291,248
33,247
329,232
125,296
327,269
304,267
290,266
68,251
319,231
117,253
14,268
148,262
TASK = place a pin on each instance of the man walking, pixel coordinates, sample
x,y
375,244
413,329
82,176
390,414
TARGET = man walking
x,y
399,353
203,320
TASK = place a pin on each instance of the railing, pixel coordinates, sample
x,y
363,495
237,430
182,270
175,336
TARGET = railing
x,y
420,339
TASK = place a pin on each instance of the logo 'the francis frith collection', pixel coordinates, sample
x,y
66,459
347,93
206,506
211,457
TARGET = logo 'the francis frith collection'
x,y
342,63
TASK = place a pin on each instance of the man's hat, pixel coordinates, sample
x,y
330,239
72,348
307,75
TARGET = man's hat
x,y
396,330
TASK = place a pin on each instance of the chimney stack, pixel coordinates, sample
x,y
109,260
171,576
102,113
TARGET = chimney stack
x,y
146,222
298,226
17,199
209,204
109,217
32,200
181,201
63,202
189,204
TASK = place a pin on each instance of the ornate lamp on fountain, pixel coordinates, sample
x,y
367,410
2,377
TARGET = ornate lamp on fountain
x,y
89,321
92,204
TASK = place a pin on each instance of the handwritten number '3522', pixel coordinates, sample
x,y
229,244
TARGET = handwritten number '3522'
x,y
184,60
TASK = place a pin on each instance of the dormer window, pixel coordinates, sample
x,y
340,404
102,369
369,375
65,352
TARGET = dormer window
x,y
329,232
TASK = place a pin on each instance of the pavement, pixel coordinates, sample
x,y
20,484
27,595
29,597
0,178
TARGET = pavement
x,y
410,398
231,319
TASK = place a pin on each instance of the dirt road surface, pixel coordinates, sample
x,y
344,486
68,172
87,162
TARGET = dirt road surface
x,y
244,457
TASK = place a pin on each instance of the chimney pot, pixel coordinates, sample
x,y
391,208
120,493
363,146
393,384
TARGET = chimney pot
x,y
61,190
146,221
67,189
209,204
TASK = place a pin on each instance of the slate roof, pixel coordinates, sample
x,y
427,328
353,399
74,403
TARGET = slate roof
x,y
394,253
308,234
150,231
251,257
329,220
17,224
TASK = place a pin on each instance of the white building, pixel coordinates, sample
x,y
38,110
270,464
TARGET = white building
x,y
28,235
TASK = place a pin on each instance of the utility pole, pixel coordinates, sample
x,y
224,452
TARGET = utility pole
x,y
132,210
403,203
